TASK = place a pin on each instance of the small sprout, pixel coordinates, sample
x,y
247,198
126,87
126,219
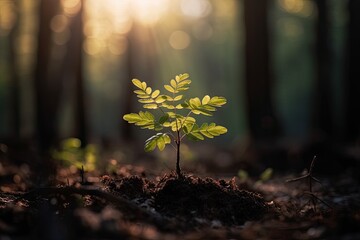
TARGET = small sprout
x,y
266,174
171,105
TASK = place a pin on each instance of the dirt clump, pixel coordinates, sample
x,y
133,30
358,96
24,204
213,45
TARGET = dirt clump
x,y
221,200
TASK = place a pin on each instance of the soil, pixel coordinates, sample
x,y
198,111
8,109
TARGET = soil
x,y
131,204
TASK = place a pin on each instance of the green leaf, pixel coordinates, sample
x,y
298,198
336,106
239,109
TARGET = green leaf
x,y
173,83
182,89
164,118
179,106
160,140
266,175
143,119
160,99
150,144
151,106
217,101
194,133
146,100
168,106
205,100
177,98
184,83
137,83
208,130
181,77
195,102
143,96
155,94
170,88
148,90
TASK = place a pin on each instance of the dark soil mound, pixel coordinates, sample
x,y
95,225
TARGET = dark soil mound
x,y
207,198
130,187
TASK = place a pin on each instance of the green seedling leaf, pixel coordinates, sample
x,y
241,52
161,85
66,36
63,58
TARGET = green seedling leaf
x,y
149,100
170,88
143,119
159,140
155,94
205,100
178,117
151,106
137,83
266,175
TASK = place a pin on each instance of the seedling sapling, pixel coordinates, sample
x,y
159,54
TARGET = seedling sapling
x,y
170,117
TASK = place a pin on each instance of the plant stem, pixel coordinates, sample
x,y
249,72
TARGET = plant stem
x,y
178,142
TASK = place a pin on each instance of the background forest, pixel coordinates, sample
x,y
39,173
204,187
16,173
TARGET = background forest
x,y
287,67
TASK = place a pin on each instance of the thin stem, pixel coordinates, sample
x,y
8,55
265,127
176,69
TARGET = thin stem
x,y
178,142
178,170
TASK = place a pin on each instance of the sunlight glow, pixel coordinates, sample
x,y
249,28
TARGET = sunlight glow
x,y
7,17
93,46
148,12
117,45
302,7
179,40
59,23
71,7
196,8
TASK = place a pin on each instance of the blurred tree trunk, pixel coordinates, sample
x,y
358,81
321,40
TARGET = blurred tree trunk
x,y
260,112
14,83
45,125
127,133
45,122
323,120
80,98
352,80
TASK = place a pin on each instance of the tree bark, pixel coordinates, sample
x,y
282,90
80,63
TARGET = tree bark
x,y
352,85
14,83
260,111
80,96
323,120
44,125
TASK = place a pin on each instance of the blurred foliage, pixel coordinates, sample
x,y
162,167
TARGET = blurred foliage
x,y
71,153
266,175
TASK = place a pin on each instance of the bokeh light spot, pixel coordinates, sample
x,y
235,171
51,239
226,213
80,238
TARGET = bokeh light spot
x,y
196,8
117,45
59,23
7,17
93,46
302,7
61,38
71,7
179,40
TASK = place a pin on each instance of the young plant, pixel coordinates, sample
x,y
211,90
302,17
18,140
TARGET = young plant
x,y
170,108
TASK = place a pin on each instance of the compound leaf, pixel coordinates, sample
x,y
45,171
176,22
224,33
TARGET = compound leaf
x,y
159,140
142,119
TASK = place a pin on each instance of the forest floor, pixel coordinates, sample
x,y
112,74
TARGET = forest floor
x,y
130,203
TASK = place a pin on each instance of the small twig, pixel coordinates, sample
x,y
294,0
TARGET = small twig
x,y
319,199
82,173
310,178
308,175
